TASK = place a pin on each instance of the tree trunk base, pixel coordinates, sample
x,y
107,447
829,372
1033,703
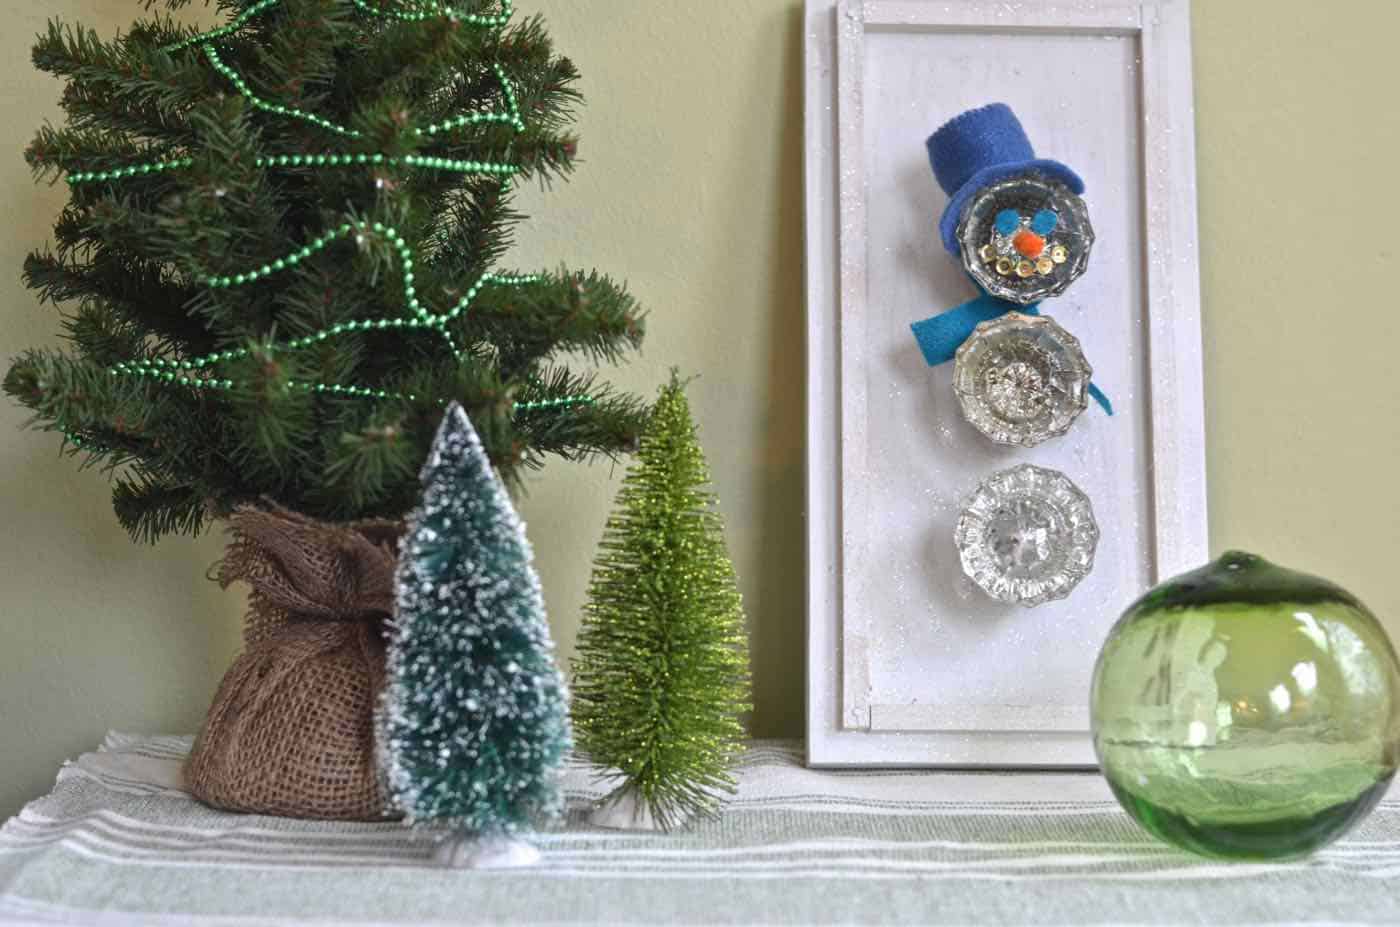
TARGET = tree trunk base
x,y
472,851
624,811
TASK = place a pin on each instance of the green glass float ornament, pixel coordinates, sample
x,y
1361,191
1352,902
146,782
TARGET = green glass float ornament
x,y
1247,711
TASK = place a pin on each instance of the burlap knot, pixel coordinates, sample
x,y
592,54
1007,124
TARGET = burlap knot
x,y
291,730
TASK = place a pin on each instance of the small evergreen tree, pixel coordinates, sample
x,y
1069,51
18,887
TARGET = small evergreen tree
x,y
474,718
280,259
661,675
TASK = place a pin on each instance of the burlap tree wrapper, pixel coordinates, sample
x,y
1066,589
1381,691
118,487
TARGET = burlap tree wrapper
x,y
291,730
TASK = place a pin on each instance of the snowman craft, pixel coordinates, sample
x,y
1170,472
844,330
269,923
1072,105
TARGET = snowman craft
x,y
1022,232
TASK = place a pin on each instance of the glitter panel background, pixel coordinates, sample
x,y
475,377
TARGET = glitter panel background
x,y
926,649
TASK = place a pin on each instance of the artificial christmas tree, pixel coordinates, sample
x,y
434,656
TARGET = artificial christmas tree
x,y
661,675
474,723
280,261
280,256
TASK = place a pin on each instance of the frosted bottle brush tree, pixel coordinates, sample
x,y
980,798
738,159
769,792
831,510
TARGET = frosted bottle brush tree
x,y
282,257
474,721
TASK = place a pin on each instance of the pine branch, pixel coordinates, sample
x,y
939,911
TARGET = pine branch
x,y
68,150
568,312
416,58
129,293
112,421
150,509
367,470
609,424
267,416
101,335
120,85
473,228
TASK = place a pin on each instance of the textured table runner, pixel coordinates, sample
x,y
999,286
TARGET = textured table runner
x,y
118,843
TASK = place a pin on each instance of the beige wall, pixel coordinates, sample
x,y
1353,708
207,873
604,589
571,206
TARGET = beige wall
x,y
691,189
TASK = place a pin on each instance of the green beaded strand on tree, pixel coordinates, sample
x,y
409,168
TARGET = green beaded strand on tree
x,y
661,675
281,258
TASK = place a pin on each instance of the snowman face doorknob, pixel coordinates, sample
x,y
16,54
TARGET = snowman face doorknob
x,y
1010,212
1025,238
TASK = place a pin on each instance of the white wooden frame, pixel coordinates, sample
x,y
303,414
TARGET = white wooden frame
x,y
842,730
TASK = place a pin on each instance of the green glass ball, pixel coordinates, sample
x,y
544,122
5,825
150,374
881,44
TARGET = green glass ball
x,y
1247,711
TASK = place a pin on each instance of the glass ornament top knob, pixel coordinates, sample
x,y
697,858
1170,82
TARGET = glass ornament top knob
x,y
1247,711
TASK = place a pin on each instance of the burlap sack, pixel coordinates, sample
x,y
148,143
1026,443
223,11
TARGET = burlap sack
x,y
291,730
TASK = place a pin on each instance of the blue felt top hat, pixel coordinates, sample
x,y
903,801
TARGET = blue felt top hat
x,y
981,147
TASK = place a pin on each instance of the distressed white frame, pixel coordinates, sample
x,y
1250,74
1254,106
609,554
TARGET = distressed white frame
x,y
835,31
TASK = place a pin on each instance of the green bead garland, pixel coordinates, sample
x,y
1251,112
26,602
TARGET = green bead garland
x,y
192,372
427,11
119,173
422,317
430,10
156,369
511,118
258,102
335,159
326,159
233,26
561,402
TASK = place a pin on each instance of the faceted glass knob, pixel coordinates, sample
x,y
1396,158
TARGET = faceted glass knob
x,y
1245,710
1025,238
1027,535
1021,379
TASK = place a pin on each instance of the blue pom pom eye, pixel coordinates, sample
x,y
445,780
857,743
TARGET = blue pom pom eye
x,y
1008,221
1044,222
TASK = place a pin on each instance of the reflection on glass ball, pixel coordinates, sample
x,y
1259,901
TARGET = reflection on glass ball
x,y
1247,711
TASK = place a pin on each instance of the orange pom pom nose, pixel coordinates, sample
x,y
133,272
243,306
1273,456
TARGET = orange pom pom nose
x,y
1028,243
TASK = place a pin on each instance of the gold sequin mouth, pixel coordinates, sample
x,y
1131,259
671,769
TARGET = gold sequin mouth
x,y
1008,266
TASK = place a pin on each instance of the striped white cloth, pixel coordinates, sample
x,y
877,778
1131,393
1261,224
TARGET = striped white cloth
x,y
118,843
